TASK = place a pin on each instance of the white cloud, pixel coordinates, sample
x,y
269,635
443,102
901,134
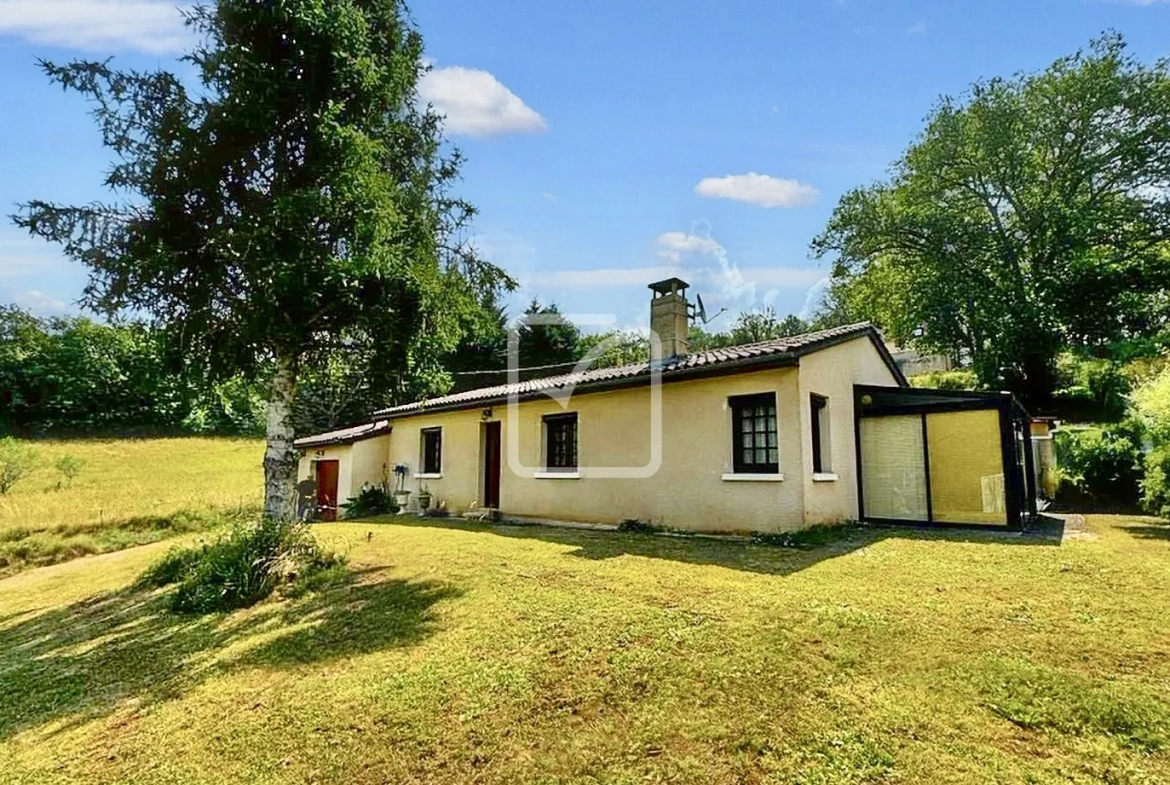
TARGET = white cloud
x,y
674,244
758,189
814,298
917,29
153,26
40,304
680,248
475,103
548,195
783,277
604,277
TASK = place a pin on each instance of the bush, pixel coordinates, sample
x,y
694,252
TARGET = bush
x,y
372,500
1155,485
946,380
69,467
1100,466
816,536
635,526
17,461
1090,389
240,568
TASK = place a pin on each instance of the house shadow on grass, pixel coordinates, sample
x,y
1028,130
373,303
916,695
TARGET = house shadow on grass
x,y
85,660
734,552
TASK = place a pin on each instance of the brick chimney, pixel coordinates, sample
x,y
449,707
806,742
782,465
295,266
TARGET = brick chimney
x,y
670,317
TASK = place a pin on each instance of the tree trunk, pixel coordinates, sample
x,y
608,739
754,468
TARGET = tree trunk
x,y
280,458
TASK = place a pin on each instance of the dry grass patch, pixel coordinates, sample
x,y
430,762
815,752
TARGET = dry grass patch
x,y
129,492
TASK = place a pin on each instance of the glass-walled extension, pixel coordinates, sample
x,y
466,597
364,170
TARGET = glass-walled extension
x,y
937,456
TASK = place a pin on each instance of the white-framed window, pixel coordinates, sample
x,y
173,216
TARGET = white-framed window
x,y
822,452
755,434
431,451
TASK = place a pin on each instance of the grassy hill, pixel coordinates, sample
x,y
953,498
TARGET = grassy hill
x,y
462,653
129,492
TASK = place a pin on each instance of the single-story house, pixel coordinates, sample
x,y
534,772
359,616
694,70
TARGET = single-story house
x,y
772,436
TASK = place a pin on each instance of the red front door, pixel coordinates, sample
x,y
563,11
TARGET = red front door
x,y
491,465
327,490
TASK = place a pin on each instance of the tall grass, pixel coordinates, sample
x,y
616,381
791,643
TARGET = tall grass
x,y
129,492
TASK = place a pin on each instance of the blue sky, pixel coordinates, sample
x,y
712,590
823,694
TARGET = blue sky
x,y
608,143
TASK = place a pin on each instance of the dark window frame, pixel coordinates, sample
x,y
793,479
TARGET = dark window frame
x,y
755,416
560,442
819,408
427,436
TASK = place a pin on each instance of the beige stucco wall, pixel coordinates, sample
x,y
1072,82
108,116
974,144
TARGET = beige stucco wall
x,y
357,464
832,373
688,491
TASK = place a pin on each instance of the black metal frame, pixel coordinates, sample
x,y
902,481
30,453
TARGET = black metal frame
x,y
738,403
1019,480
551,422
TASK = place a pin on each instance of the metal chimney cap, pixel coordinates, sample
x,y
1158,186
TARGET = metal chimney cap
x,y
670,286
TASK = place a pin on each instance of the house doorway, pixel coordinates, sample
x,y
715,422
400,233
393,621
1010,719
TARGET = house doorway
x,y
327,490
491,465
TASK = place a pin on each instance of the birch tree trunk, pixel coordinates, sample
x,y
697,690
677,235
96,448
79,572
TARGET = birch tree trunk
x,y
280,457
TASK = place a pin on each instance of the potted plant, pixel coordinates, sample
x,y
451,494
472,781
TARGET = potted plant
x,y
401,495
424,498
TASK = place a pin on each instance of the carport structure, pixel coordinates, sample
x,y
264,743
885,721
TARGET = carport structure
x,y
943,457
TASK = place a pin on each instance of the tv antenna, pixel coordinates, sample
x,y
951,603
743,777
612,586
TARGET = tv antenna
x,y
701,311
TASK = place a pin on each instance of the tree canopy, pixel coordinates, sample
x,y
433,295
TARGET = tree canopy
x,y
1031,215
296,205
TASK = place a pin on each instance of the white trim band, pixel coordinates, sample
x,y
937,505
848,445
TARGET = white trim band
x,y
824,477
752,478
556,475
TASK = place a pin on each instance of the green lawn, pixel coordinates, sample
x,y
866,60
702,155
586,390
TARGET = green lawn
x,y
468,654
130,492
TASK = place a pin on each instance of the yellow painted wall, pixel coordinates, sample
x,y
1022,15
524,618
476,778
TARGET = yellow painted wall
x,y
832,373
965,452
357,464
688,490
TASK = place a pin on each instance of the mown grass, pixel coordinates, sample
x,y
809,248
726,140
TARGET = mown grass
x,y
129,492
457,653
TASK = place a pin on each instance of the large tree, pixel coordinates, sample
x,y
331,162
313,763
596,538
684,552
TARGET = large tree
x,y
1031,215
294,203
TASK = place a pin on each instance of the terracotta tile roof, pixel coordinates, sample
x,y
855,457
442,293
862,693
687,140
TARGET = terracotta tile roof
x,y
354,433
776,352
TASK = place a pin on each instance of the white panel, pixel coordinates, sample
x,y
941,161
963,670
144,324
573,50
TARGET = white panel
x,y
893,469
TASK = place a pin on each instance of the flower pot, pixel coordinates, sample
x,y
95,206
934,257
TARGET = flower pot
x,y
402,499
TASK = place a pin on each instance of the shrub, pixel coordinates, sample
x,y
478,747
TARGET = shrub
x,y
172,567
371,500
1155,485
813,537
1090,389
946,380
241,568
635,526
17,461
69,466
1101,466
1150,404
